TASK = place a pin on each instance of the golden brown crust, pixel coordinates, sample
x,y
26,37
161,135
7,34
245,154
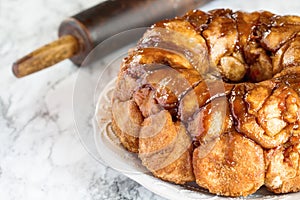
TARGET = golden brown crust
x,y
129,142
283,167
165,149
180,171
235,166
126,123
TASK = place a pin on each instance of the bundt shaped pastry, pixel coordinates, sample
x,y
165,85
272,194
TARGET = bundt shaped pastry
x,y
215,98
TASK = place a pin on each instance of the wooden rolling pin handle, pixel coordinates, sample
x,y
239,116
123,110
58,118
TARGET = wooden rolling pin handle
x,y
46,56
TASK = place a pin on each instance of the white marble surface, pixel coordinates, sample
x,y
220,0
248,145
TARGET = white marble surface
x,y
40,155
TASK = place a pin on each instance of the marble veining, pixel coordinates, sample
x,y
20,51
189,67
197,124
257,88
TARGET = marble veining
x,y
41,156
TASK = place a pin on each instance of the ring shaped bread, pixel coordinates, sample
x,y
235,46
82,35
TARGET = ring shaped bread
x,y
213,97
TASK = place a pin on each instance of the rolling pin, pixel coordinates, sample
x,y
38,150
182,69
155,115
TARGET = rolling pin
x,y
79,34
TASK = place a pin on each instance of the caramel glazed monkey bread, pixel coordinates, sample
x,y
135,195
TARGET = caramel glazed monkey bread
x,y
214,98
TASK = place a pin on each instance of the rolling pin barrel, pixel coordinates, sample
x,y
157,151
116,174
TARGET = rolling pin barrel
x,y
80,33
